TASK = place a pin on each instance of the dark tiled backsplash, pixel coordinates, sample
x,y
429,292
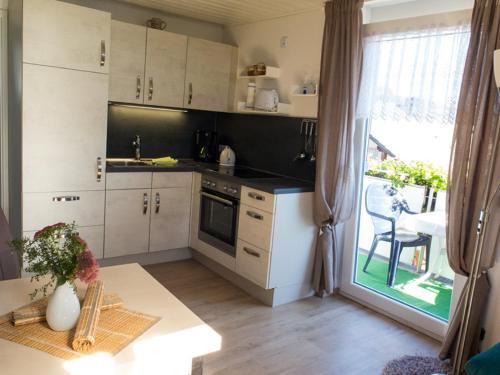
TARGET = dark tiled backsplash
x,y
264,142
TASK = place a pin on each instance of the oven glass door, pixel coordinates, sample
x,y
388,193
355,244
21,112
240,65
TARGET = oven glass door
x,y
218,221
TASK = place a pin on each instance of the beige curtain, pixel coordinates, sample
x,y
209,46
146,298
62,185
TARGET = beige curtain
x,y
472,151
341,63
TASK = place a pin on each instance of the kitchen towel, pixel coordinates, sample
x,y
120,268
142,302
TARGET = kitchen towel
x,y
35,311
89,317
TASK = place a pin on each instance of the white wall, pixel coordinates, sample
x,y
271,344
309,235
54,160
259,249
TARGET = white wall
x,y
260,42
138,15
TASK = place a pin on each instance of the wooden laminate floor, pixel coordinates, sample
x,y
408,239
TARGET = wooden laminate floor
x,y
313,336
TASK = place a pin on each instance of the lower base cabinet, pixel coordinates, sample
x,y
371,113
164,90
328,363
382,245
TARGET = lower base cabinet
x,y
126,222
147,212
170,216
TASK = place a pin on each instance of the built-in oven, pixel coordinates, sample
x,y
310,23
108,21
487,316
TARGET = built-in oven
x,y
219,207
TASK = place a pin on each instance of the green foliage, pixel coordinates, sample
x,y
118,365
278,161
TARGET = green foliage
x,y
54,251
413,173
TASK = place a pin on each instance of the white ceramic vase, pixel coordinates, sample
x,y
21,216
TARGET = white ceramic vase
x,y
63,308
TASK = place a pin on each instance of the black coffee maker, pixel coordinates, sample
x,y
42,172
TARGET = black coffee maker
x,y
206,146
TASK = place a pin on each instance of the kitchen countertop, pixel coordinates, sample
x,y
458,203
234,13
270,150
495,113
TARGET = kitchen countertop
x,y
274,185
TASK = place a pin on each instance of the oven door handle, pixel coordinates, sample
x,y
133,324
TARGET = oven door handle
x,y
216,198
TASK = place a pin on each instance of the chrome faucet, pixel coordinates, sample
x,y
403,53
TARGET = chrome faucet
x,y
137,145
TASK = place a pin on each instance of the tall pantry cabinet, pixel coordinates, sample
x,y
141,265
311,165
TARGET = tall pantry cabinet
x,y
59,115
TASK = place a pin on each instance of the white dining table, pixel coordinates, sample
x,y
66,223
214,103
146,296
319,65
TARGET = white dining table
x,y
168,347
434,224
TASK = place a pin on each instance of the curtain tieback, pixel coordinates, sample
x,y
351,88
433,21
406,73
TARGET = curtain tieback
x,y
327,225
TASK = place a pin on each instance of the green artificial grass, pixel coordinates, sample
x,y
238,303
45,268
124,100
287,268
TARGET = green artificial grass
x,y
428,295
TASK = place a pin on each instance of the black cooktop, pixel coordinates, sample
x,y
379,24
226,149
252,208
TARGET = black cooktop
x,y
244,173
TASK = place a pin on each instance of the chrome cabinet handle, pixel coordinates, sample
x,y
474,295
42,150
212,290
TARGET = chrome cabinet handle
x,y
190,99
138,90
150,96
251,252
66,198
62,236
255,215
103,52
256,196
145,203
157,210
99,169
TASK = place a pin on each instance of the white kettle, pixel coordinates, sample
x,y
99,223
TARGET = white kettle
x,y
227,157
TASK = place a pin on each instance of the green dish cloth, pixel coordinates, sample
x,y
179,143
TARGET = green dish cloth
x,y
166,160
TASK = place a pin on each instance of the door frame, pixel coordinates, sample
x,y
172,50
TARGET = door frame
x,y
4,120
400,312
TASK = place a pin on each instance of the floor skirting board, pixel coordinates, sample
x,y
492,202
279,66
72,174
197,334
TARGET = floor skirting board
x,y
271,297
149,258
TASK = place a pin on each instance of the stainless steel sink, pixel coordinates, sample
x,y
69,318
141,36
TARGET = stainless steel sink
x,y
129,162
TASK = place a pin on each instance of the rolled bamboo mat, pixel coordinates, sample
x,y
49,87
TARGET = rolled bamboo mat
x,y
116,329
35,311
89,317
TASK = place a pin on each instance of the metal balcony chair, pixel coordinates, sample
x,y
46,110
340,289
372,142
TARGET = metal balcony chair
x,y
9,261
385,204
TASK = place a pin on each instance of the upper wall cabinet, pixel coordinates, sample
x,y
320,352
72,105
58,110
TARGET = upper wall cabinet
x,y
147,65
165,68
208,75
126,72
63,35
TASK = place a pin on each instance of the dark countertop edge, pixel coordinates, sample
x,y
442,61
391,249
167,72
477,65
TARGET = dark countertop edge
x,y
278,185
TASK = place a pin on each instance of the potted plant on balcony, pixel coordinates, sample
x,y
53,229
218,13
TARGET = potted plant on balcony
x,y
402,174
56,257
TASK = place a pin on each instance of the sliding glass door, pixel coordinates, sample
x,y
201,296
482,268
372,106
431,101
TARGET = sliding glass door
x,y
395,246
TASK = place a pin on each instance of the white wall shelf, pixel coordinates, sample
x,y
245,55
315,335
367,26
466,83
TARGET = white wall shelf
x,y
284,109
272,72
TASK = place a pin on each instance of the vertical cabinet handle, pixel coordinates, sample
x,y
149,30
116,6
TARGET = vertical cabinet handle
x,y
103,52
145,203
150,96
138,89
256,196
190,99
99,169
157,210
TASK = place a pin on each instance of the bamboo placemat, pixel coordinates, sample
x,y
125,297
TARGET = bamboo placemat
x,y
35,311
116,329
89,317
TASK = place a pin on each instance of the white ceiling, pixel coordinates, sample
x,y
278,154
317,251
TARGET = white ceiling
x,y
231,12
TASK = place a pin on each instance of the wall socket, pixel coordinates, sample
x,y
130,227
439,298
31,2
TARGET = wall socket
x,y
284,42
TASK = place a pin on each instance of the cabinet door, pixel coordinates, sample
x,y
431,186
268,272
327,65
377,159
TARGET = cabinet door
x,y
64,129
170,217
208,73
165,68
126,228
128,54
56,33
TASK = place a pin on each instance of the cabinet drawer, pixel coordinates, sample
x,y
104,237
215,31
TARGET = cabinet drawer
x,y
94,236
258,199
132,180
85,208
252,263
255,226
172,179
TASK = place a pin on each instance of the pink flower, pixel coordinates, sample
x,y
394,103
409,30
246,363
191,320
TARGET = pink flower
x,y
87,268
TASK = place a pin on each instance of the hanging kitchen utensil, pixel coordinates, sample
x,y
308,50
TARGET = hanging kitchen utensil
x,y
303,132
314,140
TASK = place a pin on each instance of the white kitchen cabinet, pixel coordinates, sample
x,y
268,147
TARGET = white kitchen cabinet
x,y
59,34
165,68
160,223
170,217
128,54
127,222
64,129
208,75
